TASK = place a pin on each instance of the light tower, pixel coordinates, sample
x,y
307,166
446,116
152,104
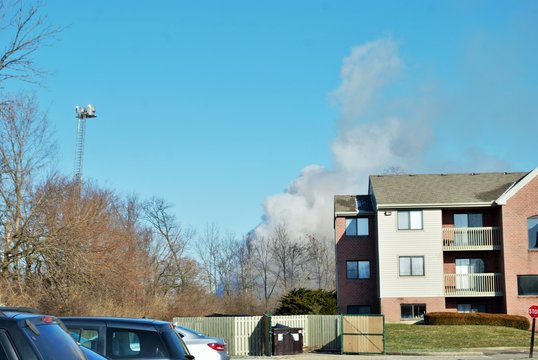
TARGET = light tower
x,y
82,115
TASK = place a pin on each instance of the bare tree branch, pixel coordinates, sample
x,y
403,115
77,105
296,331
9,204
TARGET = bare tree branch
x,y
27,31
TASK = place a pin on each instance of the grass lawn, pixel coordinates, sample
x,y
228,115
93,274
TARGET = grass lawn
x,y
406,338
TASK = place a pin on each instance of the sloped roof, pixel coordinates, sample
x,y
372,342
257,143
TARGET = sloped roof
x,y
352,204
441,189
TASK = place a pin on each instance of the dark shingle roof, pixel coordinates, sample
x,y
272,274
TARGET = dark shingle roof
x,y
352,203
441,189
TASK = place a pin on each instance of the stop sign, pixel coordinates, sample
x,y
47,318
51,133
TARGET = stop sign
x,y
533,311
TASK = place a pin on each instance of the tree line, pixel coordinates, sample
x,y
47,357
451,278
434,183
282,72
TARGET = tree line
x,y
71,247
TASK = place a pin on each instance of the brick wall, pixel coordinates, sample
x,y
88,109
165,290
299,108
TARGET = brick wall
x,y
353,248
518,259
390,307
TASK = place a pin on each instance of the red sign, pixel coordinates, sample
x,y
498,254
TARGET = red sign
x,y
533,311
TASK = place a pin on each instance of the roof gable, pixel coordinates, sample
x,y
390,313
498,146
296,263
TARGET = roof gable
x,y
517,186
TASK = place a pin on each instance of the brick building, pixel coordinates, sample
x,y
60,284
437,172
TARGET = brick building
x,y
438,242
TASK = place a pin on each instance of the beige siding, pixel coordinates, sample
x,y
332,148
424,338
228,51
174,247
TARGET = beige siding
x,y
394,243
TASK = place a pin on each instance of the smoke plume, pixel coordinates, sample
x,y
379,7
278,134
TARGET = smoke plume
x,y
374,133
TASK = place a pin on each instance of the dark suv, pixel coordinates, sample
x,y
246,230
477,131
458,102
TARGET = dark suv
x,y
28,335
128,338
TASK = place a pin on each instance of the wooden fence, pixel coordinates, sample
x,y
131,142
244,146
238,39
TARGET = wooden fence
x,y
252,335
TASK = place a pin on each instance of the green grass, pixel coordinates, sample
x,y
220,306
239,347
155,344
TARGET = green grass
x,y
439,338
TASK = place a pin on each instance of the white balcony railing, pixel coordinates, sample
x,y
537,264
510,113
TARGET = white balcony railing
x,y
472,238
487,284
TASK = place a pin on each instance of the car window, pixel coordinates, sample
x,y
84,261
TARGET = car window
x,y
6,347
85,337
128,343
54,343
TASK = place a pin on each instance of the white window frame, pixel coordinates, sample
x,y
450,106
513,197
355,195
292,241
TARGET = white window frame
x,y
417,311
410,220
413,269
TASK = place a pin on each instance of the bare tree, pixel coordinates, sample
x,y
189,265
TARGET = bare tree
x,y
320,255
227,264
25,30
393,170
268,274
25,149
169,242
245,273
208,247
289,256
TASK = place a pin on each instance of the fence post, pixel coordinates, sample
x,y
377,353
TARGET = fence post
x,y
268,334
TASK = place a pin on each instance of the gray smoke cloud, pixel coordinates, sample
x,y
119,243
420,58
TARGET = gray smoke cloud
x,y
374,133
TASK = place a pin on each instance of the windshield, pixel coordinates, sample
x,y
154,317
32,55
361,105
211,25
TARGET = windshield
x,y
53,343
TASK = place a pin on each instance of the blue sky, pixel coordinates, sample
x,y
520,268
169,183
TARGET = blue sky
x,y
238,110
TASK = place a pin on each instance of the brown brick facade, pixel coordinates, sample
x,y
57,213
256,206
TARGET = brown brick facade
x,y
391,307
357,292
518,259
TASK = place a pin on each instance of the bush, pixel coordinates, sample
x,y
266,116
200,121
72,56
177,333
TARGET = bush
x,y
308,302
451,318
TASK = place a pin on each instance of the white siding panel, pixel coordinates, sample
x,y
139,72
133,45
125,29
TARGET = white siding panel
x,y
394,243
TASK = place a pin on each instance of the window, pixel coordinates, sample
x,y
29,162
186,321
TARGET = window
x,y
410,220
124,343
411,265
7,351
468,220
464,270
527,285
412,311
86,337
472,308
532,224
358,269
470,266
462,234
357,227
359,309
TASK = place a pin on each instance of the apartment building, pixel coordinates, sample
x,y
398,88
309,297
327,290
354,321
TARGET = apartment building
x,y
438,242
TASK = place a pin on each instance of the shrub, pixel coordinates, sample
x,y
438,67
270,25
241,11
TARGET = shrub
x,y
308,302
451,318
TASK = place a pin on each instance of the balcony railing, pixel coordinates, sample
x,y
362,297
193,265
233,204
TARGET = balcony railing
x,y
488,284
472,238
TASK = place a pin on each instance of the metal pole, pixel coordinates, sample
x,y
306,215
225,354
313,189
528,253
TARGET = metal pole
x,y
532,337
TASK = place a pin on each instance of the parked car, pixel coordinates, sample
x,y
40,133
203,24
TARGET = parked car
x,y
202,346
128,338
27,334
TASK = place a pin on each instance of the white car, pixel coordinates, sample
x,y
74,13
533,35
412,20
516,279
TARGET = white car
x,y
201,346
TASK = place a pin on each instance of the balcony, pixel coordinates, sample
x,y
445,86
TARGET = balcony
x,y
471,238
462,285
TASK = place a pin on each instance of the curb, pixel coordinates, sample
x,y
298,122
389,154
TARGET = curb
x,y
465,351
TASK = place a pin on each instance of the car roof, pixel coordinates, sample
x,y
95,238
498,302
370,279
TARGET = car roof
x,y
18,316
18,312
113,319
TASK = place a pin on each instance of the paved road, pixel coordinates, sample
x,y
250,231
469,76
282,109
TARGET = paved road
x,y
475,354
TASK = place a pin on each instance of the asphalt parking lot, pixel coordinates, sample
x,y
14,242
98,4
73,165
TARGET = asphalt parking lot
x,y
474,354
